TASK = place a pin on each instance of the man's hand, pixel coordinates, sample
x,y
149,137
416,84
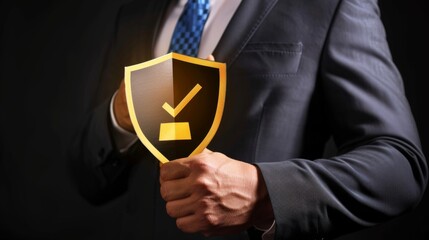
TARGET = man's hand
x,y
215,195
121,110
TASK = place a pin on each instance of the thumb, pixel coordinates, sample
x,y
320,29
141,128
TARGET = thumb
x,y
206,150
210,58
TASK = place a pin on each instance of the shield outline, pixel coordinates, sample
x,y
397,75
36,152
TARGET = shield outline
x,y
219,109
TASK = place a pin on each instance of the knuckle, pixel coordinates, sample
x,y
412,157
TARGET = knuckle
x,y
211,220
202,184
164,171
182,226
170,210
201,165
164,193
205,204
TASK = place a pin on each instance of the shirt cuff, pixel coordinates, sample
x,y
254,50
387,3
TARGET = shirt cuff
x,y
268,234
122,138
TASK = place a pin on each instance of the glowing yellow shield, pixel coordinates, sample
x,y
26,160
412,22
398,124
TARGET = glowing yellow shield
x,y
175,103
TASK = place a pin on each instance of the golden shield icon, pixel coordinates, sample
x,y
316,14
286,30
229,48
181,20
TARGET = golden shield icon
x,y
175,103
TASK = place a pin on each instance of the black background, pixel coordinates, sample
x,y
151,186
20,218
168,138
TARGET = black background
x,y
46,45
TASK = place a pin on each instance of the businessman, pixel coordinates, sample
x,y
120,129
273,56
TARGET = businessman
x,y
299,72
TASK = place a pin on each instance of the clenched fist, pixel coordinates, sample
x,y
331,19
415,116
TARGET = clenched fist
x,y
215,195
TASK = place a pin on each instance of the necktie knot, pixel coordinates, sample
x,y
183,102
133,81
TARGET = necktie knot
x,y
189,28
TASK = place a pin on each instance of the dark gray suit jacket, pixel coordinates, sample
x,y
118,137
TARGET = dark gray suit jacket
x,y
299,72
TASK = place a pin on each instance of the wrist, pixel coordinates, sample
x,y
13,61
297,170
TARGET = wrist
x,y
263,215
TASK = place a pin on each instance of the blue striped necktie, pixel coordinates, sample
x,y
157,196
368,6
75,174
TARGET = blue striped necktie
x,y
187,34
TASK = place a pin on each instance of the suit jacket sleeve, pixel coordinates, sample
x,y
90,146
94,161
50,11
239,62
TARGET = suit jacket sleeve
x,y
102,172
99,169
379,170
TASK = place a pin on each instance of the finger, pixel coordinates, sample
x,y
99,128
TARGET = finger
x,y
173,170
186,161
189,224
210,57
175,189
181,208
206,150
121,93
120,109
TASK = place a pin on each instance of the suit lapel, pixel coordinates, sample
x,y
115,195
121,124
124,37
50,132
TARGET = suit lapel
x,y
241,28
160,10
143,21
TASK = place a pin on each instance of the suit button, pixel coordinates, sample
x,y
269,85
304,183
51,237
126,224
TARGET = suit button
x,y
115,163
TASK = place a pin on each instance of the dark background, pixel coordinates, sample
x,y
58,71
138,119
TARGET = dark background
x,y
47,45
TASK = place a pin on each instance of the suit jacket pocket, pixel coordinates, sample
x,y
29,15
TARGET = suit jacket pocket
x,y
270,58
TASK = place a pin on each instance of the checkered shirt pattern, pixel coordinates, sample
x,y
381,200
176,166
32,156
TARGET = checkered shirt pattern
x,y
187,34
